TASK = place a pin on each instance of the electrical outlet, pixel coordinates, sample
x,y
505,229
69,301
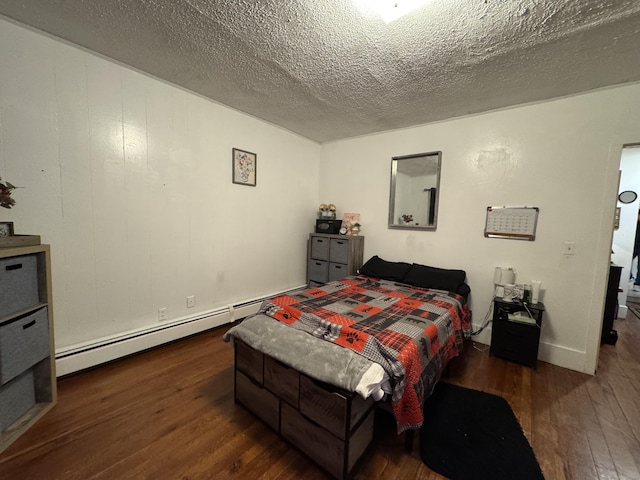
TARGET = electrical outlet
x,y
569,248
162,314
191,301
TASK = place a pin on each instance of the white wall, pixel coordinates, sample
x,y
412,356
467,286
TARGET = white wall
x,y
561,156
624,237
129,180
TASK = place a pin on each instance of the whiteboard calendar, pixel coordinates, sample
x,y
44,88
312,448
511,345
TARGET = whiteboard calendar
x,y
518,223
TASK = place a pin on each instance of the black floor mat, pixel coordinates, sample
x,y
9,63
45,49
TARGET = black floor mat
x,y
468,434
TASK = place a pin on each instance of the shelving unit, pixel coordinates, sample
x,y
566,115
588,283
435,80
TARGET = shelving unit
x,y
332,257
27,352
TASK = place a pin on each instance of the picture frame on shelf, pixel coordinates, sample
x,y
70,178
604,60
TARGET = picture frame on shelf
x,y
6,229
244,167
348,219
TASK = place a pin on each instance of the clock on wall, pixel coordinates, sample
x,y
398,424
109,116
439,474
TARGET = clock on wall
x,y
628,196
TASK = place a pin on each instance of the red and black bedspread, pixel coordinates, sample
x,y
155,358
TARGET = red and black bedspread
x,y
411,332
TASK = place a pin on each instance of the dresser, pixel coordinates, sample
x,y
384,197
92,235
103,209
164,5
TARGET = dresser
x,y
332,257
331,426
27,353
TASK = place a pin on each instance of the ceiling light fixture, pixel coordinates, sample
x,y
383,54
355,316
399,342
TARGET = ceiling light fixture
x,y
390,10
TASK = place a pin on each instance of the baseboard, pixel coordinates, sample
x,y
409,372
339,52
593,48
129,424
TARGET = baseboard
x,y
554,354
622,311
90,354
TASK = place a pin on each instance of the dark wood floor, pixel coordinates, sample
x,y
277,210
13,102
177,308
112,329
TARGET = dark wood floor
x,y
169,414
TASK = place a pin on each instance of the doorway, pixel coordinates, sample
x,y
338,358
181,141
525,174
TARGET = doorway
x,y
624,237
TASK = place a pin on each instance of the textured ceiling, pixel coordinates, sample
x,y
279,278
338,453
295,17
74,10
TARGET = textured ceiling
x,y
326,70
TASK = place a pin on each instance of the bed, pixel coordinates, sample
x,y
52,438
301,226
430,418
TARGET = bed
x,y
313,363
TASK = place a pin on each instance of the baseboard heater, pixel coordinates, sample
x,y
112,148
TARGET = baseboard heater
x,y
89,354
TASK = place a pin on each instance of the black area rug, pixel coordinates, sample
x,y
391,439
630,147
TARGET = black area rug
x,y
468,434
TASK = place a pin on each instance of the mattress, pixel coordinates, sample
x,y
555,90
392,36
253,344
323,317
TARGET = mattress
x,y
321,360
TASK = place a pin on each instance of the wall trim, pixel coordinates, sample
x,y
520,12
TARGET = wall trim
x,y
90,354
555,354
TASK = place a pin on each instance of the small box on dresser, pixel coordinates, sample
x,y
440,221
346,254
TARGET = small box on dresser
x,y
27,352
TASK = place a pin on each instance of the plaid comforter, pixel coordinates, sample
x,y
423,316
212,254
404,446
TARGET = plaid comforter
x,y
412,332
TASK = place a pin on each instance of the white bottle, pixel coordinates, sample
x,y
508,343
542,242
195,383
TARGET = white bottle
x,y
535,290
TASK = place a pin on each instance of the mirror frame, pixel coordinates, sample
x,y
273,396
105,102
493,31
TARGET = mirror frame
x,y
392,193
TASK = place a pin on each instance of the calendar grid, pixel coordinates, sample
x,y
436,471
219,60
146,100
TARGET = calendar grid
x,y
518,223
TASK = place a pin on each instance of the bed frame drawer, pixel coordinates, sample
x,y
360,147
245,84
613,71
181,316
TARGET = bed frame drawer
x,y
282,380
249,361
336,410
337,456
331,426
258,400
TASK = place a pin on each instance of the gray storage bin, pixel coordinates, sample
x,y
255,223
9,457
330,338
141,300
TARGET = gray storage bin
x,y
337,271
16,399
320,248
339,250
18,283
23,343
318,271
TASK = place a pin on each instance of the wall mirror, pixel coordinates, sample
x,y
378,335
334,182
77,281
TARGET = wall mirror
x,y
415,182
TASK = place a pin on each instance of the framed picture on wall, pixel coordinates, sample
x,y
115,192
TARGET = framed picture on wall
x,y
244,167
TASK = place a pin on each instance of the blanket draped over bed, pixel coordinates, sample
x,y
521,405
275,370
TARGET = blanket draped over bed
x,y
411,332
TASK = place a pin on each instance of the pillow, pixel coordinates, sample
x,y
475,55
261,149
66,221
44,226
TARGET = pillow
x,y
379,268
432,277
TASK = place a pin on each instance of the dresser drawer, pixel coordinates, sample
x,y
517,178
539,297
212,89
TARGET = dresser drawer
x,y
515,341
249,361
258,400
337,456
318,270
23,343
336,410
320,248
16,398
339,251
19,280
282,380
337,271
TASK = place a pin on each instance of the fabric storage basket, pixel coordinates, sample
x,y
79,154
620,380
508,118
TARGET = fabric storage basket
x,y
318,270
23,343
320,248
16,399
18,283
339,250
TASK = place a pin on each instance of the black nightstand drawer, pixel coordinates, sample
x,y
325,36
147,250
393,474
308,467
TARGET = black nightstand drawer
x,y
514,340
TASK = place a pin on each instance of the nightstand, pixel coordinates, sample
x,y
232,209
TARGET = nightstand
x,y
515,334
